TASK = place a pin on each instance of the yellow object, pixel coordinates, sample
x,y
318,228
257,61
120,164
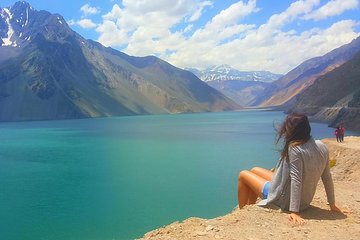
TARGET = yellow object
x,y
332,162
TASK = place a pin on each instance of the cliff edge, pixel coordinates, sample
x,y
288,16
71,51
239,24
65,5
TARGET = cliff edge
x,y
253,222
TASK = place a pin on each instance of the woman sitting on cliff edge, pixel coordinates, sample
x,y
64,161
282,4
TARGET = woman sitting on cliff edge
x,y
292,187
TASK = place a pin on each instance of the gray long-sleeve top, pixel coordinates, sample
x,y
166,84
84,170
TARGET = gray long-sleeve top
x,y
294,184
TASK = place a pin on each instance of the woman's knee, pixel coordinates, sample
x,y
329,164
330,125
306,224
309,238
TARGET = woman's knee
x,y
243,174
262,172
256,169
259,170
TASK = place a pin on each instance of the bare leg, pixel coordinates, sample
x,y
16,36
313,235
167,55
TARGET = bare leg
x,y
252,198
243,192
262,172
249,187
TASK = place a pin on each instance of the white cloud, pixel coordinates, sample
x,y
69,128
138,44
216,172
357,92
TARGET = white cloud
x,y
84,23
89,10
233,14
332,8
286,50
295,10
225,24
146,27
141,21
111,34
115,13
267,47
174,7
188,28
197,14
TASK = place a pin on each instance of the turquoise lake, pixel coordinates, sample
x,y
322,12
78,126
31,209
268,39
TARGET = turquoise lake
x,y
117,178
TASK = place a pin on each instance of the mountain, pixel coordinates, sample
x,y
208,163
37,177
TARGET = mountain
x,y
303,76
225,72
48,71
242,92
334,97
241,86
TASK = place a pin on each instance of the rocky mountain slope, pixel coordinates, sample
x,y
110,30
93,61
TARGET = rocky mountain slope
x,y
334,97
241,86
303,76
48,71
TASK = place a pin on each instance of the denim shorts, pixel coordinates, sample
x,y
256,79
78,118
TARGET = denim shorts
x,y
265,190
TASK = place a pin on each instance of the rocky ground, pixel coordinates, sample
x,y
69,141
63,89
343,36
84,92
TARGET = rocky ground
x,y
253,222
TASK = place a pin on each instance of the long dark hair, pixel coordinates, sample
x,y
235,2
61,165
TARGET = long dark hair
x,y
294,131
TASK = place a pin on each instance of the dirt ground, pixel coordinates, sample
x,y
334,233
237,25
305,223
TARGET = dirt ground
x,y
254,222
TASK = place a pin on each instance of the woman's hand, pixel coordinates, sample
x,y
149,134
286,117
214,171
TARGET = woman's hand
x,y
295,218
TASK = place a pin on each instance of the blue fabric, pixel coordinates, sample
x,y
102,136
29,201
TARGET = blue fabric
x,y
265,190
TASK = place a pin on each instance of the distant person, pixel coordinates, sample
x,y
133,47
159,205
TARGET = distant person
x,y
338,134
342,133
302,163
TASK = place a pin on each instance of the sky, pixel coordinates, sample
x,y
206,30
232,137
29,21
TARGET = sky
x,y
248,35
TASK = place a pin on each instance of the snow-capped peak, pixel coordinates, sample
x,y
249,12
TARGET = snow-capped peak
x,y
225,72
14,22
7,39
223,68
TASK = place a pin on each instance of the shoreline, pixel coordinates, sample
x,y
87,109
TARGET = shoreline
x,y
254,222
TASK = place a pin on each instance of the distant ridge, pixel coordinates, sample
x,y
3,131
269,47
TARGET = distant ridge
x,y
225,72
48,71
241,86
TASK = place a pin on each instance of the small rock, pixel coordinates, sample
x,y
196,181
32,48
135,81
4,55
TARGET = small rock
x,y
209,228
200,234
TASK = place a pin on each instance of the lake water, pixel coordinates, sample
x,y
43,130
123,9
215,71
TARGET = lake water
x,y
117,178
